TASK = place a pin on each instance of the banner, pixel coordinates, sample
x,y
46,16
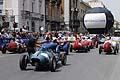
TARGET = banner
x,y
95,20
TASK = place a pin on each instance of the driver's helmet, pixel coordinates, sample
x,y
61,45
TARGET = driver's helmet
x,y
54,40
43,48
47,38
88,37
83,37
108,38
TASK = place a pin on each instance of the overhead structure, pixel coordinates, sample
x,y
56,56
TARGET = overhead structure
x,y
98,20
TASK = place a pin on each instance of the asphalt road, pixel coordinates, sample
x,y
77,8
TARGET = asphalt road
x,y
80,66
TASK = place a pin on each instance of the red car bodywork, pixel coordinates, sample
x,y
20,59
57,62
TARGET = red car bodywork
x,y
107,47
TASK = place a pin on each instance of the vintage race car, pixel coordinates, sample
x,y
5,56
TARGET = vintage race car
x,y
109,48
79,46
44,57
90,43
14,47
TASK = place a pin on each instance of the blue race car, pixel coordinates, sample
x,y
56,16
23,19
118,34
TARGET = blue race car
x,y
47,56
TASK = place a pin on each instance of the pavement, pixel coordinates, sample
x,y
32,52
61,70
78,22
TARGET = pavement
x,y
80,66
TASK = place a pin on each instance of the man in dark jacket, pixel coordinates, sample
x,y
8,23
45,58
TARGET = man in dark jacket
x,y
31,46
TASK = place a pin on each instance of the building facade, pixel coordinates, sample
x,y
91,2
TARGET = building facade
x,y
83,7
73,15
28,14
54,15
1,10
1,6
67,14
96,3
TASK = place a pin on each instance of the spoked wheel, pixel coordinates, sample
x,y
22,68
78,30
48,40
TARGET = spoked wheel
x,y
23,62
53,65
64,59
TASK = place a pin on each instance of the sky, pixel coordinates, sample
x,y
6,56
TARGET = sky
x,y
113,6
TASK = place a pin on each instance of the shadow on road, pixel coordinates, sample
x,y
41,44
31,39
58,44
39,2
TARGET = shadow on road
x,y
45,69
109,54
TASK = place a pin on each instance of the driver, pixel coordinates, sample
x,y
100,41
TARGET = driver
x,y
108,39
31,46
109,42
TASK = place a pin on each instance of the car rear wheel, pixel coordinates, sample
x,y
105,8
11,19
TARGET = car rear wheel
x,y
100,50
4,50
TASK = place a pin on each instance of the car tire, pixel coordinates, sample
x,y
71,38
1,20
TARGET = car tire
x,y
4,50
64,59
23,62
86,49
100,50
53,65
118,48
115,51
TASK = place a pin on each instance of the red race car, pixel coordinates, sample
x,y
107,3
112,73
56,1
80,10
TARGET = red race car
x,y
108,48
79,45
